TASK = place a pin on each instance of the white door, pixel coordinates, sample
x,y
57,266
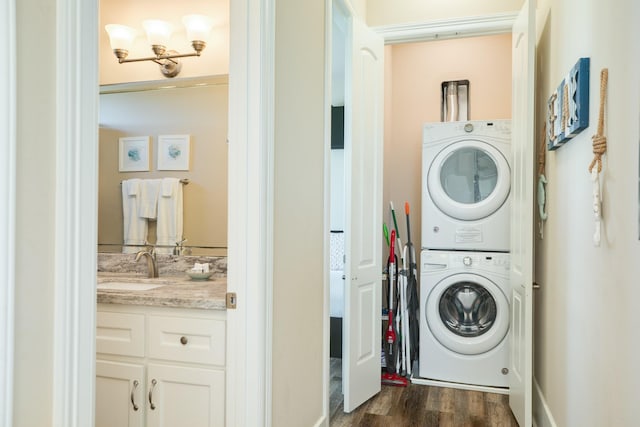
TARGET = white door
x,y
363,165
119,394
185,396
521,370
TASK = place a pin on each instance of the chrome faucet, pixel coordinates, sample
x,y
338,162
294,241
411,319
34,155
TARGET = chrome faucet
x,y
151,261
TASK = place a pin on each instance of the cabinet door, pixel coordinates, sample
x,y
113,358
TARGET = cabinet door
x,y
185,396
119,394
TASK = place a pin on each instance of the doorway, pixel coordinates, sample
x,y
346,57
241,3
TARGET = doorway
x,y
402,166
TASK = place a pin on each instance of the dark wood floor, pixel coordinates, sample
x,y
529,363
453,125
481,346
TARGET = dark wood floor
x,y
420,405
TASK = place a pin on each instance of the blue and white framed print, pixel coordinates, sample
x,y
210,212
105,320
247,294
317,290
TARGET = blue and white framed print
x,y
133,154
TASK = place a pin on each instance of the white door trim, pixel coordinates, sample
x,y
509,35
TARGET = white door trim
x,y
7,205
250,208
250,228
470,26
76,212
326,324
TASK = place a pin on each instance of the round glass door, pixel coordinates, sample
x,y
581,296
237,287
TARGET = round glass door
x,y
469,180
467,313
467,309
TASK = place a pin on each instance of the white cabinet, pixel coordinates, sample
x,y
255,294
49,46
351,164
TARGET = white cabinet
x,y
160,367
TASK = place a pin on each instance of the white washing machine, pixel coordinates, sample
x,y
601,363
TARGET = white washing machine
x,y
466,183
464,317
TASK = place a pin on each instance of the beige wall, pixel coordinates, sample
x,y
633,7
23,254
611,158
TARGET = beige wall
x,y
413,76
299,232
214,59
385,12
199,111
586,336
35,214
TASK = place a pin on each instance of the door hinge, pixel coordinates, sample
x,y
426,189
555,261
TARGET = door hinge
x,y
232,299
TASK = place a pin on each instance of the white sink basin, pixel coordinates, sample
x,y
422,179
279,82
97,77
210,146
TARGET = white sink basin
x,y
128,286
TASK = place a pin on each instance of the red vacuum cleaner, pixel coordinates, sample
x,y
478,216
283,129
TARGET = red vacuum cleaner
x,y
390,376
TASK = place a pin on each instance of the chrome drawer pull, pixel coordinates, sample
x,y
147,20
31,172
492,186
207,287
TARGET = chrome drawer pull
x,y
153,384
133,391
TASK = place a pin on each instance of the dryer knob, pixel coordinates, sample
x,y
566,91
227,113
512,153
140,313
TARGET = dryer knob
x,y
436,229
467,261
468,127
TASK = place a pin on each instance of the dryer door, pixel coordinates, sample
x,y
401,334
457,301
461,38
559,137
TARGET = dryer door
x,y
469,180
467,313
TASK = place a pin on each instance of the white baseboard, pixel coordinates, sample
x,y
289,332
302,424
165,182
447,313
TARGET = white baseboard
x,y
542,416
322,422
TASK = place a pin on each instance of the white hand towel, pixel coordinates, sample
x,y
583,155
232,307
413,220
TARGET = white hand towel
x,y
133,186
135,228
148,198
170,215
168,185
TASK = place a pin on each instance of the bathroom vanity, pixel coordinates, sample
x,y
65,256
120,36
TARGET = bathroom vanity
x,y
160,352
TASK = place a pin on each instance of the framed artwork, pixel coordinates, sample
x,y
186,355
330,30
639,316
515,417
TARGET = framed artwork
x,y
554,119
568,106
134,154
174,152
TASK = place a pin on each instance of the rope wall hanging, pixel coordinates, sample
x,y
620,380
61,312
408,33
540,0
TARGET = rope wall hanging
x,y
599,148
542,181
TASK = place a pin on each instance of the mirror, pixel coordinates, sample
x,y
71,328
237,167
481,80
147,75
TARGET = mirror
x,y
194,107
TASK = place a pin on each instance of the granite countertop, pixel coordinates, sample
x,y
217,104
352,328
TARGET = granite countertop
x,y
176,291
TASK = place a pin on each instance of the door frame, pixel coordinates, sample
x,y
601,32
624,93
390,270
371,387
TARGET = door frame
x,y
76,142
7,206
499,23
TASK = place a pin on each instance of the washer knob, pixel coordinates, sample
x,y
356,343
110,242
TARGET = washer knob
x,y
467,261
468,127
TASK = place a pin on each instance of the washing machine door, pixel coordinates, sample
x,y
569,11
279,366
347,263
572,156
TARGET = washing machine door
x,y
469,180
467,313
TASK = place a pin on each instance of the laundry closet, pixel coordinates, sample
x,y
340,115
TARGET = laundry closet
x,y
413,82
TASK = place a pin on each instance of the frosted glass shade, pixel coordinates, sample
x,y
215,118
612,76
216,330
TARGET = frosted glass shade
x,y
198,27
158,32
120,36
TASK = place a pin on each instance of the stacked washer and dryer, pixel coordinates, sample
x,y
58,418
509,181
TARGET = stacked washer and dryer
x,y
464,277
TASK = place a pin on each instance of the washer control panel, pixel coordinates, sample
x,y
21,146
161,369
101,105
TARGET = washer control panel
x,y
487,261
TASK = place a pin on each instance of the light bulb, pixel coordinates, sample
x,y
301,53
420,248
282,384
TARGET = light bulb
x,y
198,27
158,32
120,36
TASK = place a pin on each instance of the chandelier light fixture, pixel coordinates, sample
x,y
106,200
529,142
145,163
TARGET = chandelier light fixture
x,y
158,34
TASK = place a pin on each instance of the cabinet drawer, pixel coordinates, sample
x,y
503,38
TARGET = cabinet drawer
x,y
187,339
120,333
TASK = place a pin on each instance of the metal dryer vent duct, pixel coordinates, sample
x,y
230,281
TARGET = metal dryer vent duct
x,y
455,101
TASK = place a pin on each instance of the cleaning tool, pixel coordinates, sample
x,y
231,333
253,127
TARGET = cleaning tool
x,y
390,335
385,231
405,341
395,227
390,376
413,304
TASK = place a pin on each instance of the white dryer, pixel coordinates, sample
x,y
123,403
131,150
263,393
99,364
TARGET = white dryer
x,y
466,183
464,317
